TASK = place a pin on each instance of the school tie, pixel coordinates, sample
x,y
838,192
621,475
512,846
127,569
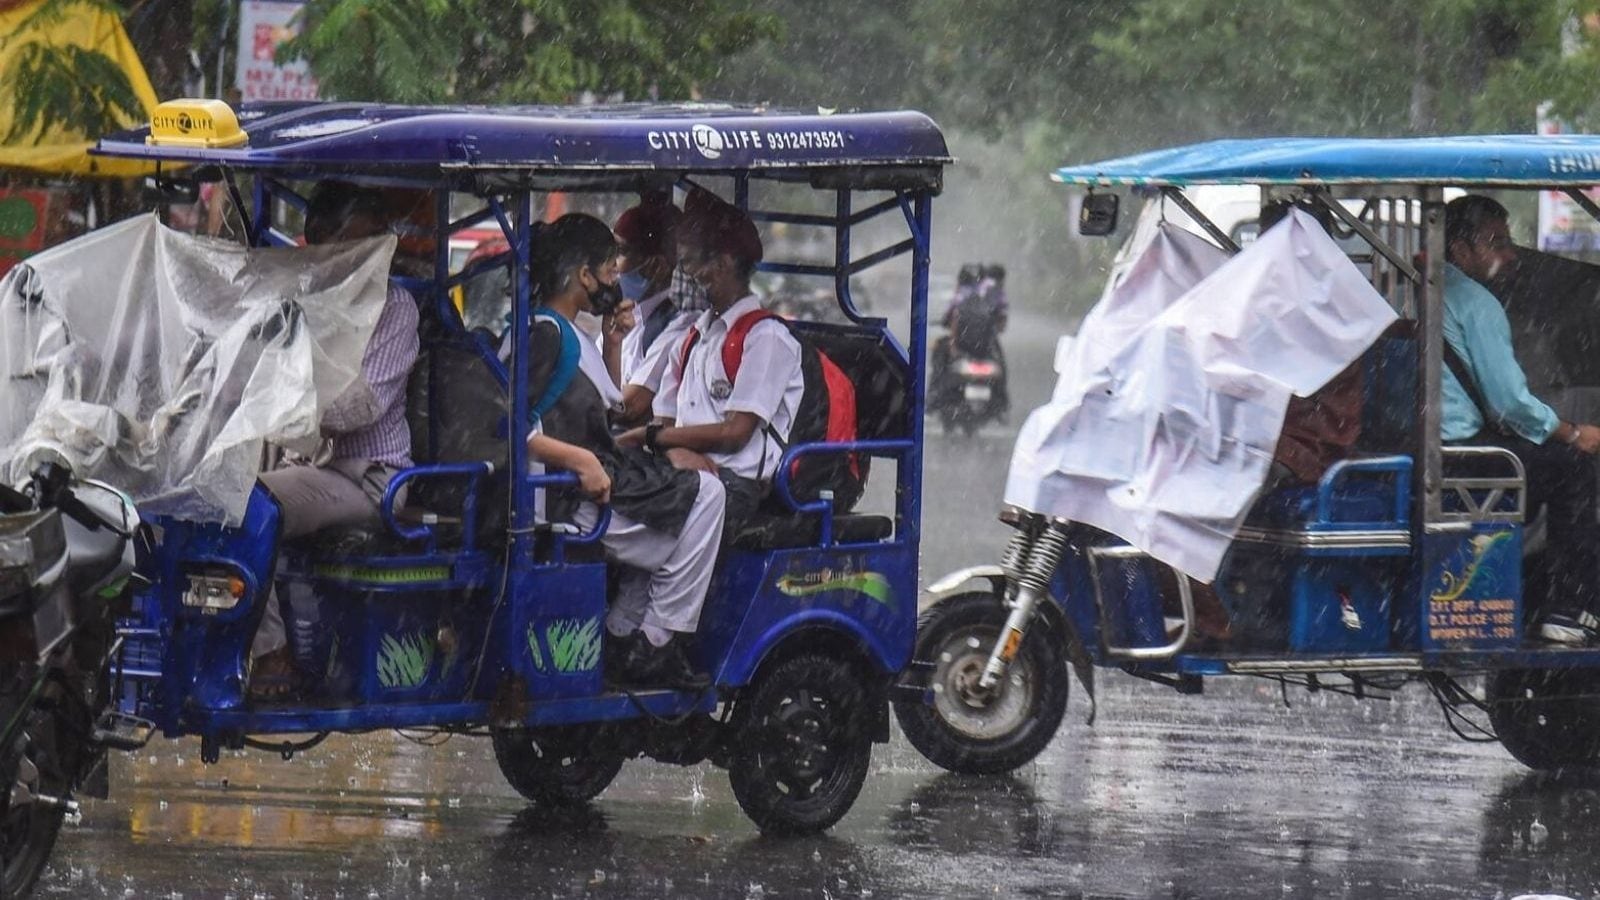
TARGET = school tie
x,y
656,322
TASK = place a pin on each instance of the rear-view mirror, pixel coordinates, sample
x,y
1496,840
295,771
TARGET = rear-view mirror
x,y
1097,217
172,190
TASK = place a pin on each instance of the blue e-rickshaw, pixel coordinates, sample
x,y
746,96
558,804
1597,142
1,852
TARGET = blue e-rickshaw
x,y
465,613
1409,561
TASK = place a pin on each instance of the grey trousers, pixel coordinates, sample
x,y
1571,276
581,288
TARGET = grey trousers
x,y
665,582
342,493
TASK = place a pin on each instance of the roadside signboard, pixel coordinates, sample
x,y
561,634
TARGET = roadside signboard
x,y
264,25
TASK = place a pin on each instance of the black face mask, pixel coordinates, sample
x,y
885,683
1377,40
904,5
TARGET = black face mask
x,y
605,300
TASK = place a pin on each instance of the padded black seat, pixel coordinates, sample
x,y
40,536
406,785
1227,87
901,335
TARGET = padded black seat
x,y
369,541
769,532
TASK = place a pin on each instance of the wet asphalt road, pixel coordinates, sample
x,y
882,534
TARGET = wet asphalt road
x,y
1230,794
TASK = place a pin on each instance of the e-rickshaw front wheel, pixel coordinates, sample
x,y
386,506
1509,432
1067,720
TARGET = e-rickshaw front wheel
x,y
959,725
1547,718
31,816
566,766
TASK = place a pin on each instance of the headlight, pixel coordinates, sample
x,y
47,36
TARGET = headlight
x,y
214,591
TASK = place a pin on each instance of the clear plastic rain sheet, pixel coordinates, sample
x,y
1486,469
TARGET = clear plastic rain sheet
x,y
160,362
1171,398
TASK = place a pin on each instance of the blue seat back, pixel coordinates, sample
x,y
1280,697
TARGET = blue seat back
x,y
1389,384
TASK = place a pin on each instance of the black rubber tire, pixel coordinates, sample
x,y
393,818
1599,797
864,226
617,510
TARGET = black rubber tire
x,y
1544,719
559,767
802,746
955,637
28,833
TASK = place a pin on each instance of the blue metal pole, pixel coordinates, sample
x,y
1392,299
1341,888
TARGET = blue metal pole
x,y
261,216
441,260
841,256
910,501
521,490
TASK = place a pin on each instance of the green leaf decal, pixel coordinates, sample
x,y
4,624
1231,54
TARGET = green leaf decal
x,y
574,644
404,661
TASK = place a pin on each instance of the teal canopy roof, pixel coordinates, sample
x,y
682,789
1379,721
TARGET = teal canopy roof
x,y
1506,160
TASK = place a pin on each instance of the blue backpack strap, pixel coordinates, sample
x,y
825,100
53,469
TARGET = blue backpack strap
x,y
566,363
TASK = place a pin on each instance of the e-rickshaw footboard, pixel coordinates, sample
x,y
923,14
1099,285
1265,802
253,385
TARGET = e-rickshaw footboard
x,y
452,716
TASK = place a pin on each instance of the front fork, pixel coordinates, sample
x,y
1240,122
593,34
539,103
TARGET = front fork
x,y
1030,563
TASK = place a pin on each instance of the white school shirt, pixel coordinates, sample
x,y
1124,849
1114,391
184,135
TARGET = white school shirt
x,y
770,386
634,353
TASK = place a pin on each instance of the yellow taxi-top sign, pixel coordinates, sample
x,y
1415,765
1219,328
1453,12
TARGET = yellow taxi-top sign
x,y
195,123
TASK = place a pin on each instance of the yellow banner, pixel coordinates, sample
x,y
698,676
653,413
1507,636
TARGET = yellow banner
x,y
58,151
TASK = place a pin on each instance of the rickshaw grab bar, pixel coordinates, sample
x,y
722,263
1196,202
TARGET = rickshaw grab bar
x,y
1185,598
1496,486
473,472
1398,466
562,539
824,506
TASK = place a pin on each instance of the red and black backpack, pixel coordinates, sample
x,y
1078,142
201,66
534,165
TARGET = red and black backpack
x,y
827,414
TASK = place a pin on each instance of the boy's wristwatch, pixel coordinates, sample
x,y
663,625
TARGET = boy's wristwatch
x,y
651,432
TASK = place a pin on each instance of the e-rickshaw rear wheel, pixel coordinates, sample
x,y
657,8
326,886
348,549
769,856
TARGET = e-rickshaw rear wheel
x,y
565,766
1547,718
963,727
802,745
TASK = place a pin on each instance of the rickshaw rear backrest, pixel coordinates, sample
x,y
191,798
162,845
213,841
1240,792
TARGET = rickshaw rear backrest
x,y
874,366
1389,382
454,401
455,406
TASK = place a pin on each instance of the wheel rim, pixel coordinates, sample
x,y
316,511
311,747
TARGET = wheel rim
x,y
805,743
975,713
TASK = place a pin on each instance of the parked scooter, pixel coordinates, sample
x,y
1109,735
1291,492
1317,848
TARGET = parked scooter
x,y
67,567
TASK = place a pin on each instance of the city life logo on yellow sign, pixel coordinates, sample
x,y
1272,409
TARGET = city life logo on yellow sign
x,y
204,124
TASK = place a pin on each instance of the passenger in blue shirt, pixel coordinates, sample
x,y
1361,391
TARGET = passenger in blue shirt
x,y
1497,408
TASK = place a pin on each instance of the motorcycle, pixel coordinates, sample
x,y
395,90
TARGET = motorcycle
x,y
67,571
970,391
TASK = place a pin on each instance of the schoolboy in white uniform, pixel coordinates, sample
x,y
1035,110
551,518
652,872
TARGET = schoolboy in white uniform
x,y
736,427
668,301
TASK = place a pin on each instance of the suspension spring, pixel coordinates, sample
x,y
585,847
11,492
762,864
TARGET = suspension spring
x,y
1016,554
1042,561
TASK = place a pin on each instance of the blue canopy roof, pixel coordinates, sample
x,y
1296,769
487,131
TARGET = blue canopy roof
x,y
1508,160
688,137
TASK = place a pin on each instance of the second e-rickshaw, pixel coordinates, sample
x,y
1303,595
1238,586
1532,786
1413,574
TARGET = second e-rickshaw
x,y
1408,561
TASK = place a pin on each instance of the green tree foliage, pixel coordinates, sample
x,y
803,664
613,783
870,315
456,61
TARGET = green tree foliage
x,y
1203,68
831,54
518,51
62,86
1136,72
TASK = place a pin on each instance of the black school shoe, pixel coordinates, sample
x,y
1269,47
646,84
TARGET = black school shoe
x,y
614,664
1570,628
666,666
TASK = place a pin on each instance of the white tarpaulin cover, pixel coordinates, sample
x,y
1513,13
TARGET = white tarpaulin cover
x,y
159,362
1162,433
